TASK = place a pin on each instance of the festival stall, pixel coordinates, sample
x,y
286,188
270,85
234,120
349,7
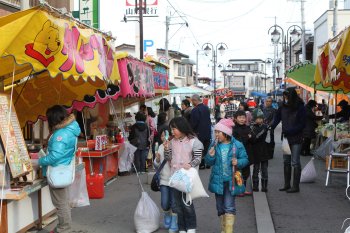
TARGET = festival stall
x,y
46,58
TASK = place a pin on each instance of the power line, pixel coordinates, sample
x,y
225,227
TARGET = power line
x,y
224,20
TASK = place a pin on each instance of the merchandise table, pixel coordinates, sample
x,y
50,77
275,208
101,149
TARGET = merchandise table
x,y
103,162
28,207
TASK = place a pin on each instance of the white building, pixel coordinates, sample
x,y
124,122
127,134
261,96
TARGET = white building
x,y
243,76
323,26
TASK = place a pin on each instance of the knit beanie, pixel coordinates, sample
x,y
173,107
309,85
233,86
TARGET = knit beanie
x,y
225,126
257,113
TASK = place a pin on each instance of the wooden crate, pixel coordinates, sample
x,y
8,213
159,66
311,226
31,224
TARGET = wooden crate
x,y
337,162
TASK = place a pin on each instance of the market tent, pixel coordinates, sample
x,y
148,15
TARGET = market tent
x,y
332,68
55,60
189,90
259,94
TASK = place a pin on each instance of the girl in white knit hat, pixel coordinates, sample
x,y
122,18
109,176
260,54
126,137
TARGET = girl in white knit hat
x,y
225,155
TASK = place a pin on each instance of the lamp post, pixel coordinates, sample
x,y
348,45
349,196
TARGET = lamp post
x,y
267,61
275,37
223,68
292,35
221,47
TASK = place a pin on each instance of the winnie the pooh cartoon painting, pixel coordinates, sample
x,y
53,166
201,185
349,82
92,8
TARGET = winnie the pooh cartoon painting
x,y
46,44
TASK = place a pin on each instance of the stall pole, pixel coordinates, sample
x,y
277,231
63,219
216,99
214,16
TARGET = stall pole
x,y
40,211
4,223
335,118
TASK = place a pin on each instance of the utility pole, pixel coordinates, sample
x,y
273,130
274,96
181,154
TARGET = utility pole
x,y
303,48
335,18
196,81
167,23
140,8
24,5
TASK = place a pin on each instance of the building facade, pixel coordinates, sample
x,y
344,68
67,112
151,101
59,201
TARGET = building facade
x,y
181,67
245,76
10,6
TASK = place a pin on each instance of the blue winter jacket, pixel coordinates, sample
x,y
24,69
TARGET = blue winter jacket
x,y
61,146
216,183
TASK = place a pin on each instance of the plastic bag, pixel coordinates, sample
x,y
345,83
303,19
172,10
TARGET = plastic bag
x,y
347,230
182,180
127,157
78,194
285,147
325,148
147,216
308,174
198,189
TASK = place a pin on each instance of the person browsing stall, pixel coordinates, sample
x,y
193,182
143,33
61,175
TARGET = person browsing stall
x,y
64,131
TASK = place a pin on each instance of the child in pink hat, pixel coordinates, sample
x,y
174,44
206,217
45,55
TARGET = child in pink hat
x,y
225,155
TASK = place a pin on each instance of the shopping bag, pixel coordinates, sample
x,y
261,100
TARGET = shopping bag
x,y
285,147
198,189
181,180
150,154
78,194
238,187
61,176
147,216
126,157
308,174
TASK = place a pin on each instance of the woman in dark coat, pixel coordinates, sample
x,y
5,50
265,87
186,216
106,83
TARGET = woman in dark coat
x,y
292,114
310,126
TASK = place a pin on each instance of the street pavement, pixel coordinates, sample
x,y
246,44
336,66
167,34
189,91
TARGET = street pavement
x,y
316,209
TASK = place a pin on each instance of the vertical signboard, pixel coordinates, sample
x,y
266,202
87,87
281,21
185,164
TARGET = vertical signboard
x,y
89,12
12,139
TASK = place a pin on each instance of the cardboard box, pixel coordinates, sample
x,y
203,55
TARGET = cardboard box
x,y
337,162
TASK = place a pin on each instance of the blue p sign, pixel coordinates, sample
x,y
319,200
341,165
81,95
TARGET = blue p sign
x,y
147,43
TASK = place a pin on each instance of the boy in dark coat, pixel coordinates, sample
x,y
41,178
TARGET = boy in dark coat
x,y
259,150
241,132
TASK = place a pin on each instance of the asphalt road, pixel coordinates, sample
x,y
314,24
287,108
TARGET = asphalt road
x,y
316,208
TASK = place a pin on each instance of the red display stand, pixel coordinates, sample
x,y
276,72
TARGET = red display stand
x,y
103,162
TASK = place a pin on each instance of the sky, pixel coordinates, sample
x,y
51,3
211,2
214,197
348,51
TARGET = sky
x,y
242,25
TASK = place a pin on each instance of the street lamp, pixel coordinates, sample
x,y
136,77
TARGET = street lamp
x,y
221,47
293,35
275,37
267,61
223,69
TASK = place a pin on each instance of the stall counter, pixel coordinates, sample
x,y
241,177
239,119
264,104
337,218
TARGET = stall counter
x,y
28,207
103,162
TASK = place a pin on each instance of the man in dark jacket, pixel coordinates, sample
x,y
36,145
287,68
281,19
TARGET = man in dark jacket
x,y
201,124
292,114
310,126
344,113
139,134
269,114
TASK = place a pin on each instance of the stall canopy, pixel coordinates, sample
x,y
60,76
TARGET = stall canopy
x,y
259,94
189,91
332,68
302,75
48,58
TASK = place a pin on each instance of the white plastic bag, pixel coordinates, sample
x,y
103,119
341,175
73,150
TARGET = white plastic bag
x,y
308,174
285,147
78,194
147,216
198,189
182,180
127,157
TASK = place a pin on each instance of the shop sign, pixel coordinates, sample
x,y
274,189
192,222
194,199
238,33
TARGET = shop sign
x,y
60,46
151,8
236,82
136,77
161,78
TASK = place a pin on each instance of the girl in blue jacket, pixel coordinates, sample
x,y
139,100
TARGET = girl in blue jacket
x,y
225,153
61,149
